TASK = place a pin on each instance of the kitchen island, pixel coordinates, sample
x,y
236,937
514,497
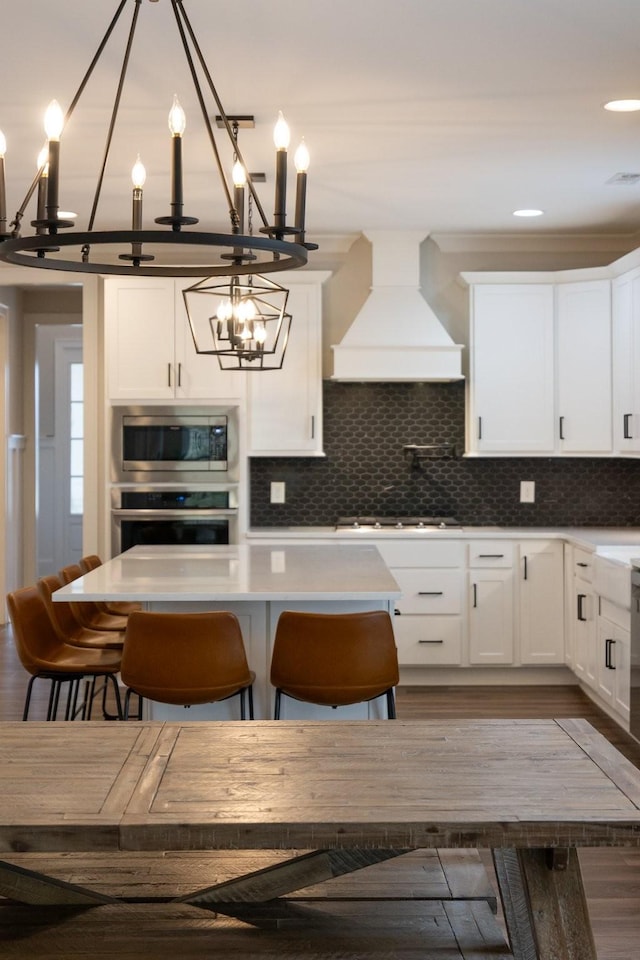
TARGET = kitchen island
x,y
256,582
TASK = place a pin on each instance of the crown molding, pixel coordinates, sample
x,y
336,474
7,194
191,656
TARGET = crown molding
x,y
613,243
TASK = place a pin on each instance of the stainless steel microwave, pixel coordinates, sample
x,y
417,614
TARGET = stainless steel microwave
x,y
162,443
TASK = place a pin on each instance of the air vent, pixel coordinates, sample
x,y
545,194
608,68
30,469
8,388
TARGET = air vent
x,y
624,179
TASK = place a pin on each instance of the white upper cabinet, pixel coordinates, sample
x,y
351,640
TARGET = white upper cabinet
x,y
626,356
584,371
511,399
285,406
150,354
139,324
541,369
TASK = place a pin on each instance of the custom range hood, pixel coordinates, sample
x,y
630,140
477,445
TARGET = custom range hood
x,y
396,336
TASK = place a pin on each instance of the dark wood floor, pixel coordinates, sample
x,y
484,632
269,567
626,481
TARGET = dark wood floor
x,y
612,877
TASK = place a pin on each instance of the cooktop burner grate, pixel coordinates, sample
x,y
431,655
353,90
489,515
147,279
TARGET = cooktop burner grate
x,y
395,523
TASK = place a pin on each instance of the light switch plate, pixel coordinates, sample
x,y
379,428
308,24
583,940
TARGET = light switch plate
x,y
527,491
277,491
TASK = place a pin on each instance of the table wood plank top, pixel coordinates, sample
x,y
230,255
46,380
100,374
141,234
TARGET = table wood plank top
x,y
306,785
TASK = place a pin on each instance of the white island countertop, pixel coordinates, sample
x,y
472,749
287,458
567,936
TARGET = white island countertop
x,y
293,572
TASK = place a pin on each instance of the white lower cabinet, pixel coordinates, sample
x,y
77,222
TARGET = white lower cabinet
x,y
491,616
479,602
541,602
425,641
613,638
613,670
491,602
584,632
428,623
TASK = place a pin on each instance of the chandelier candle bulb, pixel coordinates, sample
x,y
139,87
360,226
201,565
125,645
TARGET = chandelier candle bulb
x,y
177,124
239,181
138,177
53,124
281,138
3,195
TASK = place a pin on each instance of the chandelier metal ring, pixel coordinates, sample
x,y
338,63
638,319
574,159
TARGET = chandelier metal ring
x,y
284,255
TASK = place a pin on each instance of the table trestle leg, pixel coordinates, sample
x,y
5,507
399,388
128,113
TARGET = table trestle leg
x,y
286,877
36,889
544,904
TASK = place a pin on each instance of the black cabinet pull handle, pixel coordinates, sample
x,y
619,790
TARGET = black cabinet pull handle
x,y
430,593
581,598
179,374
561,428
608,646
490,556
168,374
581,564
313,427
625,430
479,428
397,613
525,568
430,641
475,595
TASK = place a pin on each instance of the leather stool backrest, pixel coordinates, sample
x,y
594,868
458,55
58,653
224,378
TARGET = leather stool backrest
x,y
334,659
184,658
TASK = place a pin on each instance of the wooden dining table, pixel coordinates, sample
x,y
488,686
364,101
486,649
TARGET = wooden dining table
x,y
337,796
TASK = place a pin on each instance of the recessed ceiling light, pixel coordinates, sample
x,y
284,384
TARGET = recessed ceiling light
x,y
622,106
528,213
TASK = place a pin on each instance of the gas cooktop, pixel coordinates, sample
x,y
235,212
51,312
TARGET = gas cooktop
x,y
396,523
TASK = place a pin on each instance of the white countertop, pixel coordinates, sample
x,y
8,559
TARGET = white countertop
x,y
618,544
293,572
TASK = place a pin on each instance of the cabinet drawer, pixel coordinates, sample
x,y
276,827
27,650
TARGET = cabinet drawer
x,y
612,582
429,591
491,553
583,564
421,553
424,641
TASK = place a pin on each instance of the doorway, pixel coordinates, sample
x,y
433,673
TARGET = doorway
x,y
59,446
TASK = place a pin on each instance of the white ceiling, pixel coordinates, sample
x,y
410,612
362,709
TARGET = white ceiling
x,y
442,115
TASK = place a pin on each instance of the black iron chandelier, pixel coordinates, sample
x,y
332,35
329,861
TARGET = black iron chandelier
x,y
55,244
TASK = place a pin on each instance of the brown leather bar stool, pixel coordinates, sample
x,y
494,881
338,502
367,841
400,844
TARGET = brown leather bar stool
x,y
69,628
334,659
118,607
44,655
186,659
88,612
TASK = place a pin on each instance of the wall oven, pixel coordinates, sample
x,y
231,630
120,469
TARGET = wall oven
x,y
156,444
147,515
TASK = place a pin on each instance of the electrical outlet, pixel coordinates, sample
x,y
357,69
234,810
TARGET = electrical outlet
x,y
527,491
277,491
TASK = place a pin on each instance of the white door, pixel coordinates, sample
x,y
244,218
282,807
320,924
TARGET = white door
x,y
60,456
541,606
512,376
584,367
491,616
626,358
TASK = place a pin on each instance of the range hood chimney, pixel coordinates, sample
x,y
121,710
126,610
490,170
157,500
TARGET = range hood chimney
x,y
396,336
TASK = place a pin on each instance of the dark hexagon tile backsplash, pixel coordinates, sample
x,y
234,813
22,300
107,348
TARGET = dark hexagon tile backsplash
x,y
366,470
